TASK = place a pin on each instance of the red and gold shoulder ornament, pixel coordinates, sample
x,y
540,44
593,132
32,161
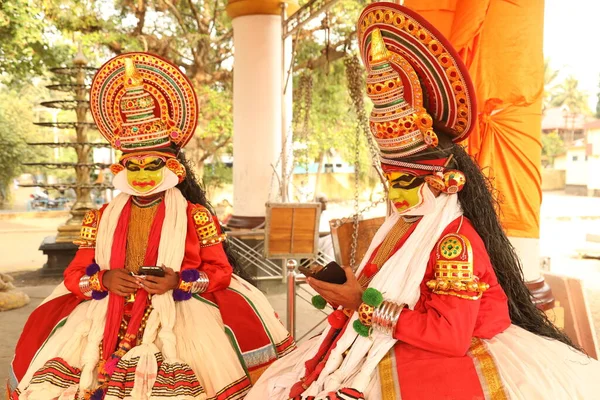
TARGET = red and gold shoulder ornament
x,y
453,272
89,229
206,228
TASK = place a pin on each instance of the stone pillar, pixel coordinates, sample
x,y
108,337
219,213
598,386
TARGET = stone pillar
x,y
528,250
257,105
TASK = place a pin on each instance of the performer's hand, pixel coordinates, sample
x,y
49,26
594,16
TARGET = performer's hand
x,y
160,285
348,295
120,282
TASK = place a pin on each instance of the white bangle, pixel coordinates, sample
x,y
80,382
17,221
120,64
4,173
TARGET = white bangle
x,y
386,316
84,286
201,284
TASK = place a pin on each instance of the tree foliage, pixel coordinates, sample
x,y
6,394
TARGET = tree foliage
x,y
320,49
568,94
16,129
27,42
197,36
194,34
550,76
552,146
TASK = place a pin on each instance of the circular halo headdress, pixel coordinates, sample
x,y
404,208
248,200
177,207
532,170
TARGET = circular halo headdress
x,y
140,101
416,81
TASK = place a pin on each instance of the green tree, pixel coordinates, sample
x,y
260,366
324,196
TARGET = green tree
x,y
16,129
568,94
550,76
195,34
215,176
552,146
332,121
215,127
25,37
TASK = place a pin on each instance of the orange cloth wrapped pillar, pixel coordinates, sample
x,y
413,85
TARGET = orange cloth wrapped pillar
x,y
501,43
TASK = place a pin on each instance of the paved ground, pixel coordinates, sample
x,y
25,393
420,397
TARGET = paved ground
x,y
20,239
565,221
11,323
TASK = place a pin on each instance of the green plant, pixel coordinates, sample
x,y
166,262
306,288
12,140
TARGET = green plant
x,y
552,146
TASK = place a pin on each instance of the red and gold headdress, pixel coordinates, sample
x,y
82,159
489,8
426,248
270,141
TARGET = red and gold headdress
x,y
140,102
414,78
144,106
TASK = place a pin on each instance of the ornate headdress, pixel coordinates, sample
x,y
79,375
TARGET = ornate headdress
x,y
144,106
141,102
416,81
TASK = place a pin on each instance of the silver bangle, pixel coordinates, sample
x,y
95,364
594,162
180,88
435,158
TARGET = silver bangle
x,y
201,284
84,286
386,316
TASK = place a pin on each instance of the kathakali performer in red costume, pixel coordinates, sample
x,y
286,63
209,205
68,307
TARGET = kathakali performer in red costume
x,y
438,308
109,332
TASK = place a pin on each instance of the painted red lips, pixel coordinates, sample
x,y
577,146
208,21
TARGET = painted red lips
x,y
401,204
143,184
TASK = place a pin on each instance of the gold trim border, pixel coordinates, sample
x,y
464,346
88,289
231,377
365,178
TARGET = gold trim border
x,y
489,377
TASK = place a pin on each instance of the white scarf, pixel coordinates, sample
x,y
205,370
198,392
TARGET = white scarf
x,y
171,250
399,280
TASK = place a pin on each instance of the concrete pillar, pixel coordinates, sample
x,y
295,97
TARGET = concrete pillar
x,y
257,105
528,250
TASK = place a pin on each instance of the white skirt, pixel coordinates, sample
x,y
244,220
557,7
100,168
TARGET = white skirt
x,y
202,345
530,368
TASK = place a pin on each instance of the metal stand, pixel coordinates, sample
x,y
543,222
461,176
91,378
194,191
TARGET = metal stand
x,y
291,297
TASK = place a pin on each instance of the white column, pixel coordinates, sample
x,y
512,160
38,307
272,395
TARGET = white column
x,y
257,116
528,250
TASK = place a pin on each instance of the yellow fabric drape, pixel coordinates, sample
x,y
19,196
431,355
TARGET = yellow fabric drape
x,y
501,43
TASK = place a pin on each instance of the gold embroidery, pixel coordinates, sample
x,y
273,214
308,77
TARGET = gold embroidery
x,y
214,240
140,223
255,374
201,217
206,229
390,242
491,383
95,283
454,269
387,246
387,377
89,229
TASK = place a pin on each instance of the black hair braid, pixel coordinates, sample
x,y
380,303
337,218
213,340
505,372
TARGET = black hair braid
x,y
480,205
193,191
191,188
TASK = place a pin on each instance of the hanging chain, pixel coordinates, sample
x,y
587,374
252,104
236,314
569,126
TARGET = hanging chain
x,y
369,207
306,83
356,199
356,85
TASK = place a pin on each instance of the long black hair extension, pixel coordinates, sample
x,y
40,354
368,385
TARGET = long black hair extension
x,y
481,206
193,191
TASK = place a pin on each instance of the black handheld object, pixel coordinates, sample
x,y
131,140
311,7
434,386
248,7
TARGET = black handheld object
x,y
152,270
331,273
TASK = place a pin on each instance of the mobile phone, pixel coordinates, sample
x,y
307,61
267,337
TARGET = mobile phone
x,y
331,272
152,270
